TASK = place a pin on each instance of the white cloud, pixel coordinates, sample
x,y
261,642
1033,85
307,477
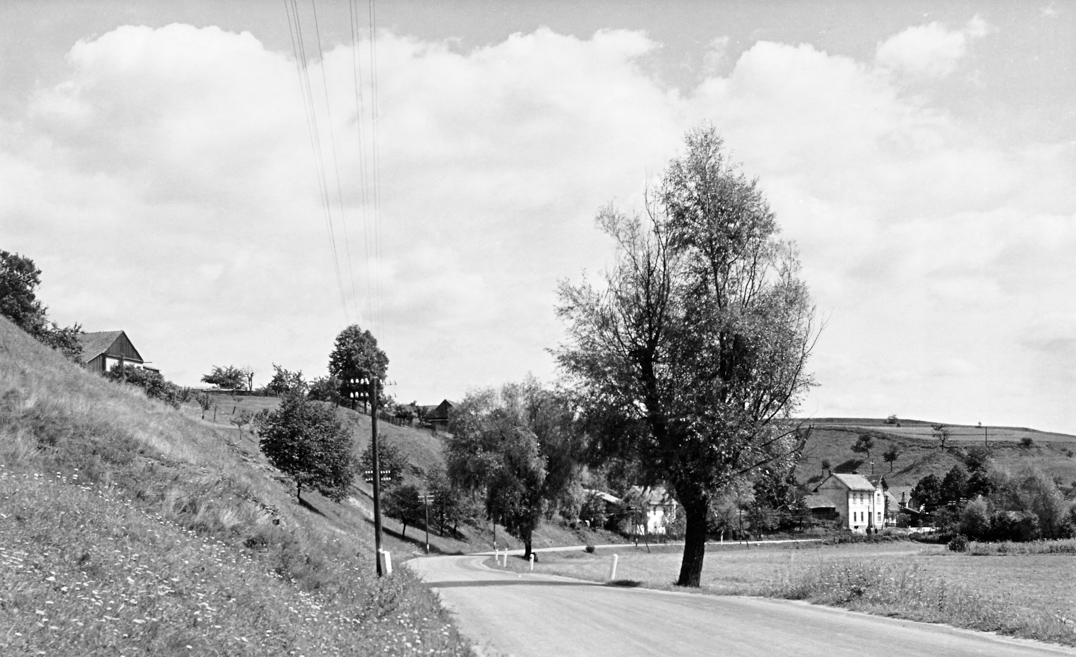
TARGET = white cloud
x,y
931,50
167,187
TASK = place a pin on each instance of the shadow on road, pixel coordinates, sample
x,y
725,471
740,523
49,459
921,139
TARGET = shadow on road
x,y
505,582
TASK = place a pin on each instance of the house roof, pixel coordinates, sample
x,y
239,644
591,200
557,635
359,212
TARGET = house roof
x,y
95,344
654,495
611,499
853,481
819,502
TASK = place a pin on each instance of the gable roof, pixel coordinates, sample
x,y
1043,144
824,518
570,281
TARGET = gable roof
x,y
855,482
99,342
819,502
95,344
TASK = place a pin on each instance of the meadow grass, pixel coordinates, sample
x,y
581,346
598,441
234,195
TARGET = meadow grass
x,y
127,527
1025,595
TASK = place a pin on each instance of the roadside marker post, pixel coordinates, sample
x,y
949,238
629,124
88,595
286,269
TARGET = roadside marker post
x,y
612,570
532,563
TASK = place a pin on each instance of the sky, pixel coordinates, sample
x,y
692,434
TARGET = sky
x,y
176,171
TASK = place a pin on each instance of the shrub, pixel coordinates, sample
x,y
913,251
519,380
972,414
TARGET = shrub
x,y
958,544
589,548
1027,442
152,383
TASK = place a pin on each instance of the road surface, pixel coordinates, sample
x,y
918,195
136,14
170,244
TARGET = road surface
x,y
529,614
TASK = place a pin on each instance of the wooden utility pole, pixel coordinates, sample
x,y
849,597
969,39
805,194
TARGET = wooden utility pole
x,y
377,471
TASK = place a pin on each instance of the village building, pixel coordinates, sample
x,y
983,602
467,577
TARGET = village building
x,y
103,350
858,504
436,416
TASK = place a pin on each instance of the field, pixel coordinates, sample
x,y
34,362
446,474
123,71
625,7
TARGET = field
x,y
1027,595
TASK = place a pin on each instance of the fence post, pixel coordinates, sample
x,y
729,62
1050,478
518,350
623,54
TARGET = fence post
x,y
612,570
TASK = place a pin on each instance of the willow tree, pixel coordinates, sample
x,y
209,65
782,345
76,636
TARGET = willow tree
x,y
690,356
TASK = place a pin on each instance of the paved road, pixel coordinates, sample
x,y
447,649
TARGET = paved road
x,y
529,614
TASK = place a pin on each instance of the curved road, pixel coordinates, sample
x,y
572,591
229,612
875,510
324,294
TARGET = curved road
x,y
530,614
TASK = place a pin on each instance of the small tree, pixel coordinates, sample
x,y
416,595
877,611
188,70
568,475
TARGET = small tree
x,y
242,419
305,440
326,389
1026,442
285,381
205,401
226,378
404,504
941,432
864,445
248,376
892,419
826,466
890,456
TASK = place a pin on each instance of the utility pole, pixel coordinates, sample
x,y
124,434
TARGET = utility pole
x,y
377,471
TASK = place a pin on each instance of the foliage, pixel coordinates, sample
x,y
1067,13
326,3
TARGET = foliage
x,y
864,445
356,356
493,452
927,493
1027,441
19,278
691,356
226,378
941,433
305,440
959,543
404,504
892,419
205,402
152,383
891,455
391,461
450,505
285,381
326,389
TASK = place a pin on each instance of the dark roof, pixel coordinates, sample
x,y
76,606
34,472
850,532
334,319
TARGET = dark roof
x,y
95,344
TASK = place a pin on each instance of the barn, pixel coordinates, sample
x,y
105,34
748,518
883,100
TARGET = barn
x,y
103,350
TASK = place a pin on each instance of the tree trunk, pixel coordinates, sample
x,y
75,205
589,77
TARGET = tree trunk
x,y
694,542
527,536
298,490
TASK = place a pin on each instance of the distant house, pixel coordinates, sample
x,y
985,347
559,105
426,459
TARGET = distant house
x,y
103,350
437,416
859,504
660,509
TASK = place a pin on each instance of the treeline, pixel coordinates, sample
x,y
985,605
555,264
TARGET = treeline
x,y
981,501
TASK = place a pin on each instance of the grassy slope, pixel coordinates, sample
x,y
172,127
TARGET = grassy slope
x,y
832,440
129,528
424,452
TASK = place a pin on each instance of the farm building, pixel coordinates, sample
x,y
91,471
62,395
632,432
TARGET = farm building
x,y
858,503
437,416
103,350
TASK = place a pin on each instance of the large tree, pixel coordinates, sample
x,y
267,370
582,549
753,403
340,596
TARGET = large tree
x,y
494,453
19,278
356,356
691,356
305,440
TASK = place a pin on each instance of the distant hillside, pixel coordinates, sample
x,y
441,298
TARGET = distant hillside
x,y
920,454
127,527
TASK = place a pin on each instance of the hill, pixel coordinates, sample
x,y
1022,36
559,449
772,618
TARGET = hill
x,y
920,454
129,527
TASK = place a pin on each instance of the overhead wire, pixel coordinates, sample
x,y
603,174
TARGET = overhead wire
x,y
360,122
310,111
375,124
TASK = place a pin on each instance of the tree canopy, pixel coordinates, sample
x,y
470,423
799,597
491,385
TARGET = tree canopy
x,y
691,355
305,440
355,355
19,278
226,378
514,447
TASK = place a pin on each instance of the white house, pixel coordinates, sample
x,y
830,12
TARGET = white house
x,y
858,503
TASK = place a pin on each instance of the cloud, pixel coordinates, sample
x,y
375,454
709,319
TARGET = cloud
x,y
167,186
929,51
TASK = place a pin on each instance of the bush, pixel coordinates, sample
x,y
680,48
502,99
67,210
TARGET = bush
x,y
589,548
958,544
152,383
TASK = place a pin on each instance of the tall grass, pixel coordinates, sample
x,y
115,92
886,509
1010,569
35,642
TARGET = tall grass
x,y
903,589
129,528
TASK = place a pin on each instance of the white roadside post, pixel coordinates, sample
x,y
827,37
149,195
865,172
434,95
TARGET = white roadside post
x,y
532,563
386,562
612,569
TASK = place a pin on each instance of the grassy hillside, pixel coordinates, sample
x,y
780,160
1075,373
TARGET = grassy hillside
x,y
920,454
127,527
